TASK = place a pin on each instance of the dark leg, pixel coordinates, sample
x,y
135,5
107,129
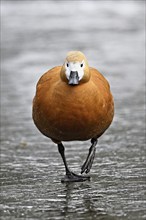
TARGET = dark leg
x,y
89,161
70,176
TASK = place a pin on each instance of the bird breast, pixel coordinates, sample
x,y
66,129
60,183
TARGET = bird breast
x,y
63,112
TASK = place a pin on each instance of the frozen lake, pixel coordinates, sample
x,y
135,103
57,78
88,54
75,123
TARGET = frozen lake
x,y
36,35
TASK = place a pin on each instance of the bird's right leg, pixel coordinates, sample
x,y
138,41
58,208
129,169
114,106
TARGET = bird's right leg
x,y
70,176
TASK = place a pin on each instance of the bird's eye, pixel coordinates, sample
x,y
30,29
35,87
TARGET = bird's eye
x,y
81,65
67,65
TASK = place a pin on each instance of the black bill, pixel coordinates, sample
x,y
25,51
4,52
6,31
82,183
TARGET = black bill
x,y
73,78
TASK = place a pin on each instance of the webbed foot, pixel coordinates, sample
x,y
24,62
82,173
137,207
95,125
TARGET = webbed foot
x,y
72,177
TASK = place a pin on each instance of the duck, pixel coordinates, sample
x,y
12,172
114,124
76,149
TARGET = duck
x,y
73,102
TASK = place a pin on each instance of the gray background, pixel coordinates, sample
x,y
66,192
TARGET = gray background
x,y
36,35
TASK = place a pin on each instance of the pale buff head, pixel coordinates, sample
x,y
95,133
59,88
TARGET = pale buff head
x,y
75,69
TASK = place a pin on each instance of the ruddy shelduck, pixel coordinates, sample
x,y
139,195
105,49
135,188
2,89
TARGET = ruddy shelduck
x,y
73,102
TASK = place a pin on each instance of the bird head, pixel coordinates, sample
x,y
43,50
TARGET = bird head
x,y
75,69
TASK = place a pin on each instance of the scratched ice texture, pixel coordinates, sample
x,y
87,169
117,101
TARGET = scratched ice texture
x,y
36,35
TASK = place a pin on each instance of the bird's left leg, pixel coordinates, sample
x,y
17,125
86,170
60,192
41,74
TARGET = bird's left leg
x,y
89,161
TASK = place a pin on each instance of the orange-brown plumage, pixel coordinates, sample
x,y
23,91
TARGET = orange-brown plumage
x,y
66,112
